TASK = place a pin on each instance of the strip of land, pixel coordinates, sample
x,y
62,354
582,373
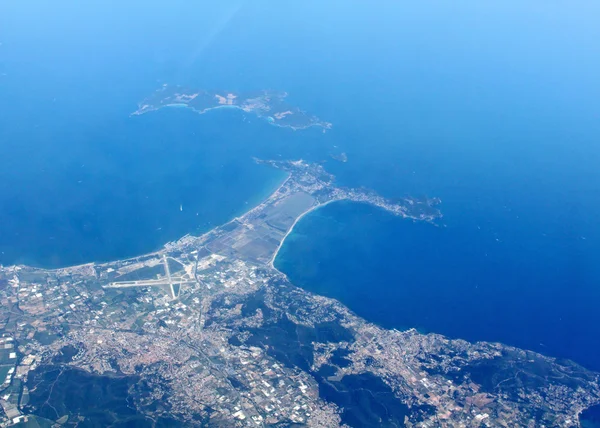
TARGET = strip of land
x,y
217,336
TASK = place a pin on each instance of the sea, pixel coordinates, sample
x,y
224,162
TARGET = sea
x,y
493,107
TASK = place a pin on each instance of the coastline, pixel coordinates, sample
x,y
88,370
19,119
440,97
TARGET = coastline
x,y
288,175
299,176
314,208
246,269
310,210
143,110
164,246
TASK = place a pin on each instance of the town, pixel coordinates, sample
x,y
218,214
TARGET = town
x,y
208,331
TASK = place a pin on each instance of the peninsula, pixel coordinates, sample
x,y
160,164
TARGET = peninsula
x,y
207,332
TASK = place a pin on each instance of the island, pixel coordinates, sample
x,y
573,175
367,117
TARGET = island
x,y
270,106
342,157
207,331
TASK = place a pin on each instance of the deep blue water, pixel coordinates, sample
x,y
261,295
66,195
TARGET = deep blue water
x,y
492,107
591,417
451,280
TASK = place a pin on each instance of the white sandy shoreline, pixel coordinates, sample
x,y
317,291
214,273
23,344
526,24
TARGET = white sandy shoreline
x,y
311,209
